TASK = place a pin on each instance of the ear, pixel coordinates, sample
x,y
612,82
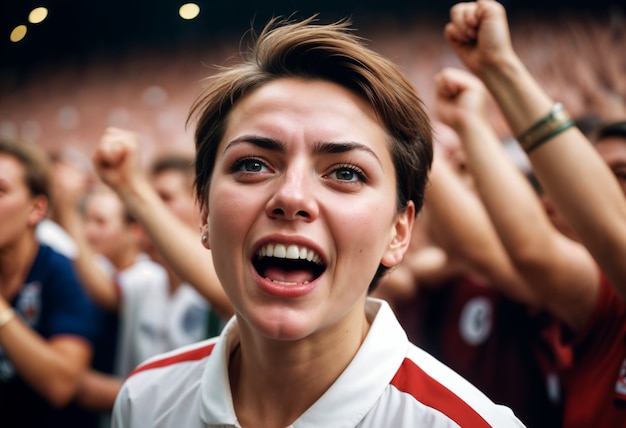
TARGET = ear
x,y
38,211
400,237
204,227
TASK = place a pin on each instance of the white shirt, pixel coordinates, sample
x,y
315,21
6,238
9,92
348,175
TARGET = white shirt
x,y
153,320
53,235
389,383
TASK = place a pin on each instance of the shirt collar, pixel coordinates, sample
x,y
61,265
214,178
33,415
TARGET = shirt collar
x,y
357,388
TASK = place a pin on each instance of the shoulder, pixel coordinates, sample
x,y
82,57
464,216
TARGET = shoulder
x,y
145,265
184,360
50,233
428,382
47,256
144,271
165,388
51,266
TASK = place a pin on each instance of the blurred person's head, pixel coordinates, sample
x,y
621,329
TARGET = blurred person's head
x,y
109,228
172,177
24,190
72,164
450,147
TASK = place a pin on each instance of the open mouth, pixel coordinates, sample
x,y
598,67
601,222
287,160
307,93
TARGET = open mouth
x,y
288,264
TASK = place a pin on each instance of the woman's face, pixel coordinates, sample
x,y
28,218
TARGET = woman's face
x,y
613,151
302,208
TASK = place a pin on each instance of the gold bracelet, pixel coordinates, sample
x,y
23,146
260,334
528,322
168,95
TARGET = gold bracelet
x,y
552,124
6,316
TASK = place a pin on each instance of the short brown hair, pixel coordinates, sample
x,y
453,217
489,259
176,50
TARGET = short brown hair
x,y
328,52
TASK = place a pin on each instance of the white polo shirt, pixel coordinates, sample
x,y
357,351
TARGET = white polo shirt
x,y
389,383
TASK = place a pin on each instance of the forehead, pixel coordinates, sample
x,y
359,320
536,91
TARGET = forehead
x,y
104,202
328,109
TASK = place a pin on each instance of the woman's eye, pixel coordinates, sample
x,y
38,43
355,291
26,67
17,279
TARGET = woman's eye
x,y
348,173
249,165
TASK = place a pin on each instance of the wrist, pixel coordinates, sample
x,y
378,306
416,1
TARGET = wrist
x,y
501,69
6,315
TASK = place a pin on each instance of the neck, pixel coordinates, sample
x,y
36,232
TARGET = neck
x,y
15,263
174,281
125,259
293,373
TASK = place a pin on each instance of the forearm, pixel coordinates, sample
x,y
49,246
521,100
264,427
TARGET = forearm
x,y
558,272
98,391
514,209
98,284
53,368
461,225
570,170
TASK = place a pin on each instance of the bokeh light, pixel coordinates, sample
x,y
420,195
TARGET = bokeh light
x,y
18,33
189,11
37,15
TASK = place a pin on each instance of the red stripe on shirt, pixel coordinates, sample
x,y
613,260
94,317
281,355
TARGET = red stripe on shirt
x,y
414,381
192,355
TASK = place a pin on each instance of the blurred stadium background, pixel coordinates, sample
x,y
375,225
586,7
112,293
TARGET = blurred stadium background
x,y
138,64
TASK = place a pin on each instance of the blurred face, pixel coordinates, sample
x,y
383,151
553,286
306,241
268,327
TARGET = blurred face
x,y
19,210
448,143
302,208
105,228
613,151
177,193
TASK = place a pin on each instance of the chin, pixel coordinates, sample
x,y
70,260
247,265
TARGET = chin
x,y
283,324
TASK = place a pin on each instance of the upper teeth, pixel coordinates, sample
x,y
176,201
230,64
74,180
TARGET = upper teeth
x,y
293,252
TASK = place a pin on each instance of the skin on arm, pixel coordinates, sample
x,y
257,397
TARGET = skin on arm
x,y
115,161
463,228
98,391
53,367
98,284
560,272
595,208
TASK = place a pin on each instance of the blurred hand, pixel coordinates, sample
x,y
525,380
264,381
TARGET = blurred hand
x,y
115,159
69,184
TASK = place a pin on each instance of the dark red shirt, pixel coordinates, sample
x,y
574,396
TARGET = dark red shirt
x,y
596,384
510,353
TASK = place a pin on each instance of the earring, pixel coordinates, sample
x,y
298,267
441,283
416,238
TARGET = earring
x,y
204,238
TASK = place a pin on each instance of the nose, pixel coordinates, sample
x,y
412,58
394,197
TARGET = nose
x,y
294,197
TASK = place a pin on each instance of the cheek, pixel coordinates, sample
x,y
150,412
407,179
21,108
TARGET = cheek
x,y
366,232
12,215
228,218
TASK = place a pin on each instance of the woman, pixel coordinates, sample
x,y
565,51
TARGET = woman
x,y
311,162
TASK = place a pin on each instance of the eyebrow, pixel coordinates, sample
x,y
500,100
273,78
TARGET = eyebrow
x,y
321,147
